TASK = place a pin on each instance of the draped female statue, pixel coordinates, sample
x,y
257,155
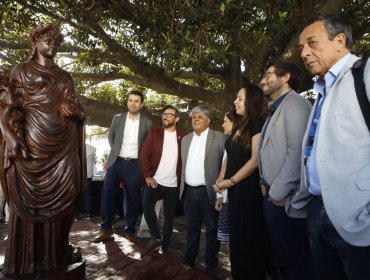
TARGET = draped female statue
x,y
44,158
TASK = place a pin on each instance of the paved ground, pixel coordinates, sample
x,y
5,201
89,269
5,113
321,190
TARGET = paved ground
x,y
122,259
177,246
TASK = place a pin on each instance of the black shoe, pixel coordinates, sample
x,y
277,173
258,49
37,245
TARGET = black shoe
x,y
88,217
130,236
191,264
153,244
211,272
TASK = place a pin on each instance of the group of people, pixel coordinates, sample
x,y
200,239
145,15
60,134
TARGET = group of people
x,y
297,176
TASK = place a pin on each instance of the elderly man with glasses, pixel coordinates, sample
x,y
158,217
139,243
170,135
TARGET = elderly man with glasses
x,y
161,168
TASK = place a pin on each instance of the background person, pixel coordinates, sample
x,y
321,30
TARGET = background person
x,y
221,203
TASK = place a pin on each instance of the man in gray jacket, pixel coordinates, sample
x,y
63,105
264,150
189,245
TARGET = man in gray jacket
x,y
280,151
126,136
201,153
335,183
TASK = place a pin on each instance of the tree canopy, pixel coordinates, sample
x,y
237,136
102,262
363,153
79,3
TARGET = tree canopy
x,y
188,51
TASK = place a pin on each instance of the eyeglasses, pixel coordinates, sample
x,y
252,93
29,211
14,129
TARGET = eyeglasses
x,y
168,115
267,75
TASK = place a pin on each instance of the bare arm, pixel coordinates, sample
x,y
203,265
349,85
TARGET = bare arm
x,y
247,169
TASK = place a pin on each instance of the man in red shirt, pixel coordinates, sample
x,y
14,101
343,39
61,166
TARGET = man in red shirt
x,y
161,167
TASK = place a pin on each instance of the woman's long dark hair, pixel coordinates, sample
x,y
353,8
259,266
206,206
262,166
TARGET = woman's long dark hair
x,y
255,105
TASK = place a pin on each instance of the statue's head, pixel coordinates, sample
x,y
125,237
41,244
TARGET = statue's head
x,y
45,32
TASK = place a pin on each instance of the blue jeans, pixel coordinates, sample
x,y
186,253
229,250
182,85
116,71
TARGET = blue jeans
x,y
126,171
333,257
198,208
290,243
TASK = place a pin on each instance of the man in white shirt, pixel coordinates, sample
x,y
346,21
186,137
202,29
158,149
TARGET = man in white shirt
x,y
126,136
161,167
201,152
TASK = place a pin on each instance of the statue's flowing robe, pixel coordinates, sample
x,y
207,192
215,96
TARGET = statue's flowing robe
x,y
43,188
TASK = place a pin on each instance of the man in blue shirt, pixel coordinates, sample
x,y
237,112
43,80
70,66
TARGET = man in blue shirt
x,y
335,184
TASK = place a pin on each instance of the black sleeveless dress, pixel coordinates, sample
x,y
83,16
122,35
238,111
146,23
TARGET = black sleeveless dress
x,y
247,223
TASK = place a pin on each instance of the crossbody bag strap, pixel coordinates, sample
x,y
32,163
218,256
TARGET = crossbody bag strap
x,y
358,70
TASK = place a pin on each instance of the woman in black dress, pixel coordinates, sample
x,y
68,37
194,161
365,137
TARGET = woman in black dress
x,y
247,227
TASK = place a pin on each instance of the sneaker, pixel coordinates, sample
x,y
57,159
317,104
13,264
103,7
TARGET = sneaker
x,y
88,217
142,233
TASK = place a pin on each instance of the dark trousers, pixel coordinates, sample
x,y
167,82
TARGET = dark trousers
x,y
197,208
290,243
85,200
87,197
127,172
170,197
333,257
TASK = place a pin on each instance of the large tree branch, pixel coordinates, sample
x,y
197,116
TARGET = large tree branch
x,y
148,75
189,75
98,78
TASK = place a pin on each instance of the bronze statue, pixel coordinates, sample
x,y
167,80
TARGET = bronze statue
x,y
42,122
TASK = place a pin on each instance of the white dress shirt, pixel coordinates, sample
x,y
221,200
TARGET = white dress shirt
x,y
130,142
194,171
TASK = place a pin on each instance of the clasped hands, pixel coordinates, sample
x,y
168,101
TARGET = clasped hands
x,y
220,185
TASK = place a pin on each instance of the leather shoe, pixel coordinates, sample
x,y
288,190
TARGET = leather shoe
x,y
211,272
130,237
153,244
103,235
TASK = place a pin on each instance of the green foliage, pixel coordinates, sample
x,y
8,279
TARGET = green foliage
x,y
154,43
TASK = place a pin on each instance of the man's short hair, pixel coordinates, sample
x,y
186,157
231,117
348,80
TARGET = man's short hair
x,y
177,113
333,26
283,67
138,93
202,108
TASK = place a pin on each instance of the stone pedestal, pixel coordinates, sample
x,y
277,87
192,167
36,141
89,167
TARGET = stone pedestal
x,y
74,271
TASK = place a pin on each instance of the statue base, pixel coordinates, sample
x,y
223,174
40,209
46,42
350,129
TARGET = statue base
x,y
74,271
